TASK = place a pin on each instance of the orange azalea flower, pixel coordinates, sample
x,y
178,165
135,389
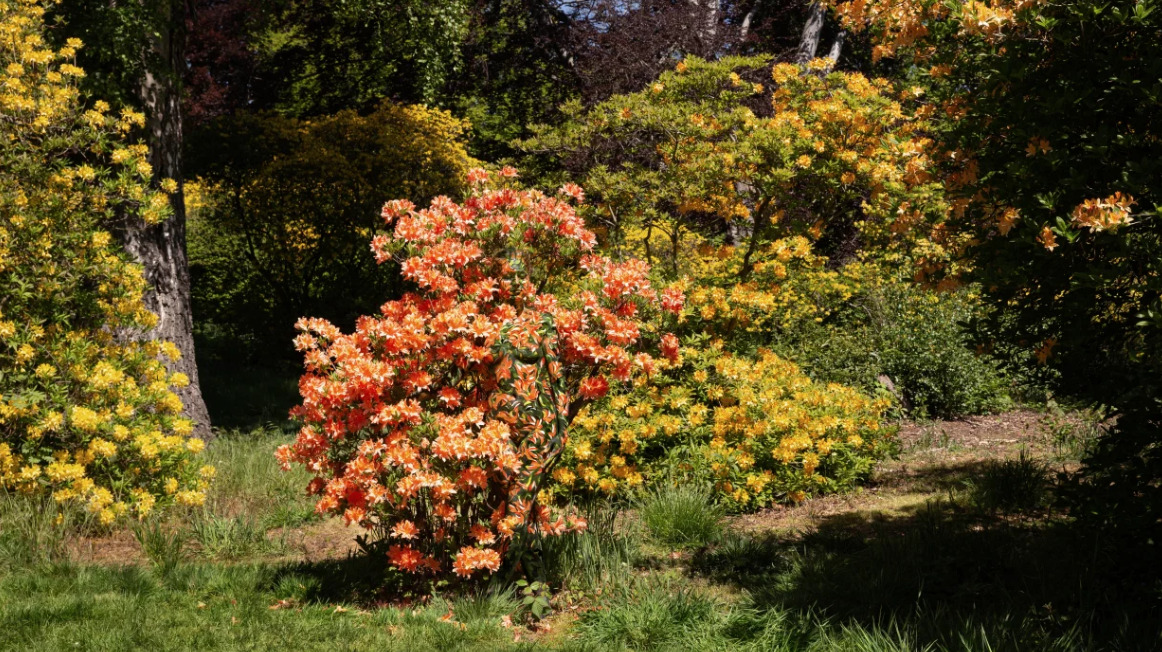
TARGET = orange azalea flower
x,y
470,560
1047,238
1104,214
474,476
1046,350
483,535
445,511
449,397
594,387
405,530
405,558
670,347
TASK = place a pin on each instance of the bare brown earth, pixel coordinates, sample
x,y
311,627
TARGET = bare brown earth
x,y
935,460
330,539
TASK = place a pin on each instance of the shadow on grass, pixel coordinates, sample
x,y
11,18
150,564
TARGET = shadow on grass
x,y
932,478
357,579
957,578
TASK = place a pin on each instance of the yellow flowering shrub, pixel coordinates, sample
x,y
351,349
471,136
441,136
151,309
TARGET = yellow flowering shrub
x,y
759,429
734,151
87,413
789,285
851,325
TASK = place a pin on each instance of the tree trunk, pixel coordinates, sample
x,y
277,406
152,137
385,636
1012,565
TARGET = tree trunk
x,y
161,248
837,47
744,28
812,29
708,32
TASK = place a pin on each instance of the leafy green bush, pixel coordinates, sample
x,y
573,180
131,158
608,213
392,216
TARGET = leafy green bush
x,y
863,324
283,212
911,342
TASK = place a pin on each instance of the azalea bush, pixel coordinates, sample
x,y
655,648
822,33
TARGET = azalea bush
x,y
789,287
435,423
735,152
854,325
756,428
87,411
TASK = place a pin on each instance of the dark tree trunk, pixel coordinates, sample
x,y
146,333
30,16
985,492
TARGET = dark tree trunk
x,y
161,248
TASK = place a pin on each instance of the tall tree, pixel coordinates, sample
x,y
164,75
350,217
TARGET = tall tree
x,y
136,55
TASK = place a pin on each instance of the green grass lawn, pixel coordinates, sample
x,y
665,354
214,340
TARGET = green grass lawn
x,y
948,551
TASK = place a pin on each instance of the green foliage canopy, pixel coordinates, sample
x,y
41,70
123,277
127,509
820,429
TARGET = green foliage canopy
x,y
289,206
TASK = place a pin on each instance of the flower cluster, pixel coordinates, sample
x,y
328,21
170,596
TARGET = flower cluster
x,y
435,423
790,284
903,25
87,413
761,430
1104,214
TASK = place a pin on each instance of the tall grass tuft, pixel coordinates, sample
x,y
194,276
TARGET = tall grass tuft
x,y
231,538
681,515
164,547
601,556
651,616
1011,485
32,530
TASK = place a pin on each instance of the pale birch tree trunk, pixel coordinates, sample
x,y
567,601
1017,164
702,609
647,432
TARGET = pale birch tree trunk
x,y
812,30
837,47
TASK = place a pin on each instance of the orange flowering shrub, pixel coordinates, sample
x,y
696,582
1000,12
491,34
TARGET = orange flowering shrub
x,y
435,423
